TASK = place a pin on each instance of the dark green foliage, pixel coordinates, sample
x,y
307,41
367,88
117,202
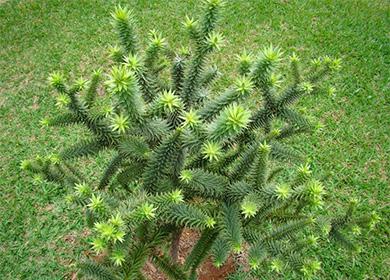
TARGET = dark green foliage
x,y
97,271
201,249
91,94
113,166
208,76
85,148
162,158
204,183
245,159
259,172
130,173
211,109
220,252
189,85
189,216
135,147
343,240
183,157
125,28
237,191
178,73
136,260
231,225
172,270
63,120
154,130
290,227
238,275
283,152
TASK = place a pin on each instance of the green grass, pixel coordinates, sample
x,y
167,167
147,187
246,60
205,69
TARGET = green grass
x,y
40,238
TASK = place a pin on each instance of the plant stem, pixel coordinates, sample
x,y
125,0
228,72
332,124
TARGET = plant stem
x,y
174,251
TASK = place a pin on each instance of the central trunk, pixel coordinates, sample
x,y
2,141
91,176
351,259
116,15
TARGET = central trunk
x,y
174,251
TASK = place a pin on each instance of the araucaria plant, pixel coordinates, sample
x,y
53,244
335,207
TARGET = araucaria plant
x,y
188,157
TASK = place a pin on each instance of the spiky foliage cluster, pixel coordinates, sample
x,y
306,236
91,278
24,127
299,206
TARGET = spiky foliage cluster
x,y
188,157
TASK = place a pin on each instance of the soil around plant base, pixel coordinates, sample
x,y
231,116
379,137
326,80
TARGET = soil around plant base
x,y
206,272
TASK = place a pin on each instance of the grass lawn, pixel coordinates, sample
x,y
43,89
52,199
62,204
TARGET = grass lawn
x,y
40,238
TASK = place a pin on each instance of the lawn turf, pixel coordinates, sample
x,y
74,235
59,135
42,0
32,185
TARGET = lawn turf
x,y
40,238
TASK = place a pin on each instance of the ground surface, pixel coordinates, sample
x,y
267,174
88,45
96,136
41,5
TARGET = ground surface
x,y
40,237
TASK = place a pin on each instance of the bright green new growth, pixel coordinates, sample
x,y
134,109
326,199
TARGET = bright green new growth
x,y
186,156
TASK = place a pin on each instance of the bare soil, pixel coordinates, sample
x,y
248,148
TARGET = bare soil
x,y
206,272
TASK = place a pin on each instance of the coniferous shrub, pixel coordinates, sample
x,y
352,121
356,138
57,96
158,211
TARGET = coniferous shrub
x,y
185,156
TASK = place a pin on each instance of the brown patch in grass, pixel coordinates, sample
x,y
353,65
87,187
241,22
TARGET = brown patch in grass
x,y
45,208
35,104
70,238
207,271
